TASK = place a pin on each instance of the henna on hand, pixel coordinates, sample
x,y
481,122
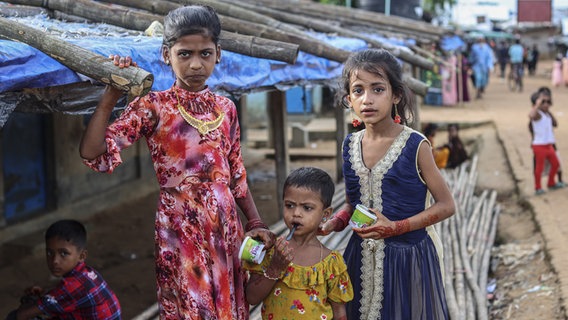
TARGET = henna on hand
x,y
281,258
391,229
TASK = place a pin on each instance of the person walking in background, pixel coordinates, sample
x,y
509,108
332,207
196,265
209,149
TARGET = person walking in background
x,y
82,293
532,57
542,124
557,71
389,168
516,58
481,60
502,57
464,74
194,139
299,277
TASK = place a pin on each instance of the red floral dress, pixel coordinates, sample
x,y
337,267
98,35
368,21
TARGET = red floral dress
x,y
198,230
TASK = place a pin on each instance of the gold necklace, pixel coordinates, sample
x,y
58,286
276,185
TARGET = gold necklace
x,y
202,126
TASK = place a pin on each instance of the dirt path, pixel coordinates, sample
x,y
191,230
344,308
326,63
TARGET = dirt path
x,y
529,276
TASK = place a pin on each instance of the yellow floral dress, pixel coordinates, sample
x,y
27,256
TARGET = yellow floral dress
x,y
305,292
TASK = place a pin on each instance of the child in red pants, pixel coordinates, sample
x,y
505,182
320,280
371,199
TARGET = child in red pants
x,y
543,123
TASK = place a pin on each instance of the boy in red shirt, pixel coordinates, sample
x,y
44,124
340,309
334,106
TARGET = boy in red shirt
x,y
82,293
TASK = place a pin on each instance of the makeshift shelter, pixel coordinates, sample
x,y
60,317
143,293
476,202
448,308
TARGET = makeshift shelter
x,y
38,89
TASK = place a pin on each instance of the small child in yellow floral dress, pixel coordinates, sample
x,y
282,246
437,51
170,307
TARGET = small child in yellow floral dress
x,y
300,278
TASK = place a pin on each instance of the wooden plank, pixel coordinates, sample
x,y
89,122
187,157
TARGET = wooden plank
x,y
135,81
279,122
324,26
139,20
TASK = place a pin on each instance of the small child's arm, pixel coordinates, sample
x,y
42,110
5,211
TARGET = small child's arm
x,y
533,114
339,312
554,122
260,285
28,311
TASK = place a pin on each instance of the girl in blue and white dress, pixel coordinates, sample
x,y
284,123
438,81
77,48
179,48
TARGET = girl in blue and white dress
x,y
389,167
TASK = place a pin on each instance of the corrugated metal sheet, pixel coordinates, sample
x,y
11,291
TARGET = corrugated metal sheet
x,y
534,11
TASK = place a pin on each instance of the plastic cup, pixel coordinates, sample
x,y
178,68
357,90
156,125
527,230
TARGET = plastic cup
x,y
252,250
362,217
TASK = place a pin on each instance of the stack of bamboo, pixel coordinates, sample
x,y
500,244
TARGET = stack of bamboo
x,y
467,239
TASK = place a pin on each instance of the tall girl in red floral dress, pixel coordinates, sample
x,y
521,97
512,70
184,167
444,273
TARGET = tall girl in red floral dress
x,y
194,139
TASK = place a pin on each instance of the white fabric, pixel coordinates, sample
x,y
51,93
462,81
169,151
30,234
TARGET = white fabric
x,y
543,130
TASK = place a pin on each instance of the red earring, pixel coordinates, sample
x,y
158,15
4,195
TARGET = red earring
x,y
354,121
396,116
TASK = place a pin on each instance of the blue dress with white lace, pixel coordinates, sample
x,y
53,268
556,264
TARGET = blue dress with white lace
x,y
397,277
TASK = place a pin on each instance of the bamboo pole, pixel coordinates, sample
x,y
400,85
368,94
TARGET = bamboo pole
x,y
135,81
358,16
249,28
477,295
459,284
326,27
323,49
451,300
237,25
136,20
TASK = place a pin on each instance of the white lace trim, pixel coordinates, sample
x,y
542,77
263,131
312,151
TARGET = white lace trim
x,y
371,193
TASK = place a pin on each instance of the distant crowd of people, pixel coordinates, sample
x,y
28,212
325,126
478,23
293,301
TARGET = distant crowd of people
x,y
483,57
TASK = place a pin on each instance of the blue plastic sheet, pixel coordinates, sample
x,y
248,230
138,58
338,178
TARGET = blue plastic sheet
x,y
22,66
452,43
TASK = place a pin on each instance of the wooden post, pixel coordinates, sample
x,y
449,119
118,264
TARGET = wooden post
x,y
341,132
459,71
416,123
279,123
2,200
243,118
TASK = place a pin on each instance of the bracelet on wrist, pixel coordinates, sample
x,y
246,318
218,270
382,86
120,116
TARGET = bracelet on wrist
x,y
255,223
267,276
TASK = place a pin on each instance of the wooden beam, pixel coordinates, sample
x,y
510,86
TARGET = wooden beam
x,y
277,113
2,198
325,26
355,15
137,20
341,133
316,46
135,81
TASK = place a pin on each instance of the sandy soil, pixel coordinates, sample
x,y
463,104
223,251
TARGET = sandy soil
x,y
121,242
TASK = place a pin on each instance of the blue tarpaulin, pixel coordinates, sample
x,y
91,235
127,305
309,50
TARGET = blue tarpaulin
x,y
452,43
22,66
